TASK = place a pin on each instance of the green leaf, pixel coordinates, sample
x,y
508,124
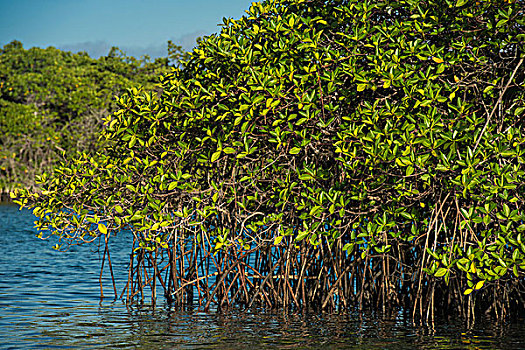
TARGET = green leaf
x,y
244,178
349,247
137,217
132,141
406,215
301,235
501,22
305,177
295,150
441,272
238,120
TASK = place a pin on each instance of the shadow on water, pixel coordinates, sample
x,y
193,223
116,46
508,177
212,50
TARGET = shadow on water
x,y
50,299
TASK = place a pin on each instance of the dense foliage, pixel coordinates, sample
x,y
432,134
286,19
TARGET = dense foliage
x,y
52,101
364,152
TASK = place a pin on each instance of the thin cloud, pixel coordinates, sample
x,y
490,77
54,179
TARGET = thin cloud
x,y
96,49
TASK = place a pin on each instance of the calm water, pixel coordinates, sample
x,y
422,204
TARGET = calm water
x,y
50,300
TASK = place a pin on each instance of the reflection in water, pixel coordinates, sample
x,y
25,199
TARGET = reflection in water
x,y
51,300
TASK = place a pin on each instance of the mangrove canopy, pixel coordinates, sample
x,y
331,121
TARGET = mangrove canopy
x,y
320,154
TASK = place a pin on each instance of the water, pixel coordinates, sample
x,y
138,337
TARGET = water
x,y
51,300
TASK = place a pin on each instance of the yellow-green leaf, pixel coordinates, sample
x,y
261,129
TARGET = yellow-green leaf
x,y
103,229
305,177
172,185
295,150
441,272
215,156
479,284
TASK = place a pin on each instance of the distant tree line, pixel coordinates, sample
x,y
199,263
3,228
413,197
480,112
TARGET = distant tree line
x,y
52,103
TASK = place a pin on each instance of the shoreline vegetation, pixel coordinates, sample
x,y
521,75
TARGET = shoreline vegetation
x,y
324,155
53,103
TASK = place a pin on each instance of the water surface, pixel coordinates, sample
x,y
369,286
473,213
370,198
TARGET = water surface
x,y
51,299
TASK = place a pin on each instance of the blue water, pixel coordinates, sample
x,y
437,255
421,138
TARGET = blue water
x,y
51,299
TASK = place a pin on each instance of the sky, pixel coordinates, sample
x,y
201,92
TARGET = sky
x,y
137,27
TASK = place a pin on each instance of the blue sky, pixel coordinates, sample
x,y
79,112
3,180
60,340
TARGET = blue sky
x,y
138,27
